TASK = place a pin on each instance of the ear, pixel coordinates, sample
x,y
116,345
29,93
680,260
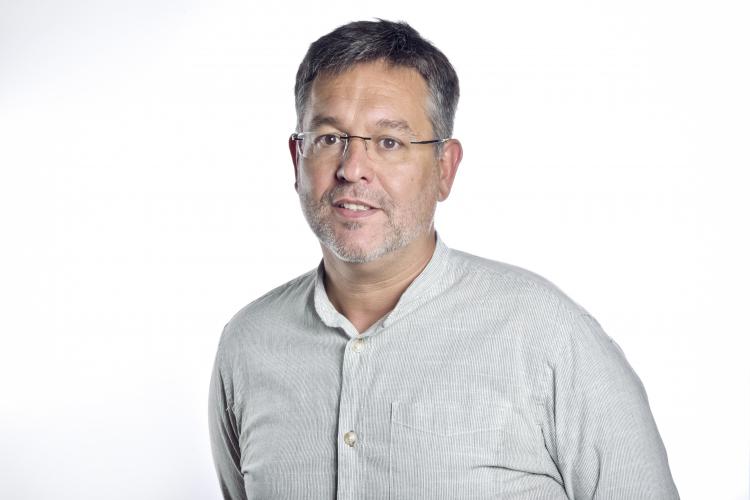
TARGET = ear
x,y
448,165
295,160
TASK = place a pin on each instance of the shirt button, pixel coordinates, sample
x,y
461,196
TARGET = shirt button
x,y
358,345
350,438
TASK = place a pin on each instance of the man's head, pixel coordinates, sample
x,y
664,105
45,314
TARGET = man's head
x,y
370,164
398,44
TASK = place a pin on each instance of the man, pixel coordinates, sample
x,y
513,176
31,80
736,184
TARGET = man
x,y
400,368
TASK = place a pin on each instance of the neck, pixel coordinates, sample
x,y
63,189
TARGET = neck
x,y
366,292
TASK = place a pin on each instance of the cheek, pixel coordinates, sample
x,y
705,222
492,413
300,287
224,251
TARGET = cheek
x,y
310,182
412,190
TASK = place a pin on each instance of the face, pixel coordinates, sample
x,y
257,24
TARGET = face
x,y
359,208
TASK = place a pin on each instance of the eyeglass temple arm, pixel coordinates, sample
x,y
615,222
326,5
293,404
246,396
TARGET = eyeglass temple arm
x,y
433,141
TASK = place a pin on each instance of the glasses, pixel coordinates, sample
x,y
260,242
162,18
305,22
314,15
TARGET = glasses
x,y
332,147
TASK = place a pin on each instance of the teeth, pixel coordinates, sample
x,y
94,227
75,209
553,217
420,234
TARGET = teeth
x,y
353,206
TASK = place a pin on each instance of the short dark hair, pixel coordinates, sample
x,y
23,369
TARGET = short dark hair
x,y
398,44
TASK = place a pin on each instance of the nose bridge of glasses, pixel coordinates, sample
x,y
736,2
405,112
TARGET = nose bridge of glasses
x,y
347,139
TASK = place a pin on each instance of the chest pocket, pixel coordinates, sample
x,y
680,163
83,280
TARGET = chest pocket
x,y
454,451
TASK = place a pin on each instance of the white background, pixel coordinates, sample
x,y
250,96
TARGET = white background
x,y
146,194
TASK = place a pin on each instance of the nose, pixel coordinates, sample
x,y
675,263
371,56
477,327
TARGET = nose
x,y
355,165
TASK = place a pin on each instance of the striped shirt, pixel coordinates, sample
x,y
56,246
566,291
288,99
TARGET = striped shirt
x,y
484,382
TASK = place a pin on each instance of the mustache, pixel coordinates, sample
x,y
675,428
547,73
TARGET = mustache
x,y
371,196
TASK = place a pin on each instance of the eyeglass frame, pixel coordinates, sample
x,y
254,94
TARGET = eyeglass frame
x,y
296,137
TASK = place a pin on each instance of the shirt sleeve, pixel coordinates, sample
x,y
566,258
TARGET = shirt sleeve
x,y
224,435
608,445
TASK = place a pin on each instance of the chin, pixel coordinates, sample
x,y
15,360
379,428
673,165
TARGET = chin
x,y
356,254
364,250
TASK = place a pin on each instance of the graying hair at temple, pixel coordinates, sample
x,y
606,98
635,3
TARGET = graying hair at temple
x,y
395,42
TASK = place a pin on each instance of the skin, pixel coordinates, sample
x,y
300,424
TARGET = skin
x,y
371,258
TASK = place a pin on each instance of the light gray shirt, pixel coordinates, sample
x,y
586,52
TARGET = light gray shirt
x,y
484,382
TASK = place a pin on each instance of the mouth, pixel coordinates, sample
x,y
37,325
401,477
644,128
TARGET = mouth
x,y
357,207
353,204
353,208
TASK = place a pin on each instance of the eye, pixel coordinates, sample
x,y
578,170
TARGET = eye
x,y
389,143
325,140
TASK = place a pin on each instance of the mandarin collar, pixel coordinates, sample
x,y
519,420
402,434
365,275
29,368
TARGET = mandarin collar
x,y
425,286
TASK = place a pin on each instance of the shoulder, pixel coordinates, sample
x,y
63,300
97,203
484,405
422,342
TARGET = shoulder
x,y
540,313
276,307
499,280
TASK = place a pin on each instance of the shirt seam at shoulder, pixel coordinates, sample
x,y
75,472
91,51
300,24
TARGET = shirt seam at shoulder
x,y
565,304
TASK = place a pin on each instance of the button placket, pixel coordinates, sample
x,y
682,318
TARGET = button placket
x,y
357,346
354,372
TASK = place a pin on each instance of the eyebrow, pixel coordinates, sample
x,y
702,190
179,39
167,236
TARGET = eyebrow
x,y
319,120
401,125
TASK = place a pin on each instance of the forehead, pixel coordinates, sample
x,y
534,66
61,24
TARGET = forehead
x,y
370,94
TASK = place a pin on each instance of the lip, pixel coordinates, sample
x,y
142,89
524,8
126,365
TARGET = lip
x,y
353,201
347,213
